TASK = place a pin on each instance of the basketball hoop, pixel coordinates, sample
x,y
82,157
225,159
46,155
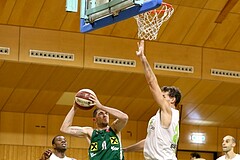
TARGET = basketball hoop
x,y
150,22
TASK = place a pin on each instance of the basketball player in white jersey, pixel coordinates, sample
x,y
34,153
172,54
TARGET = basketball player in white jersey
x,y
228,144
163,128
59,144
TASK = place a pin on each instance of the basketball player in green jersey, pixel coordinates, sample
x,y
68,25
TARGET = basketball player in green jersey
x,y
105,140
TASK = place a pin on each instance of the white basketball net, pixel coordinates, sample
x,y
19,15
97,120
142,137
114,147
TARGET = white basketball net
x,y
150,22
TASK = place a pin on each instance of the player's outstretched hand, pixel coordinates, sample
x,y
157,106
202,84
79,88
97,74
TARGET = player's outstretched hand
x,y
95,100
140,51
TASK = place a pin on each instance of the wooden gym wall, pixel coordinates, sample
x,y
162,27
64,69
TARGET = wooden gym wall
x,y
28,135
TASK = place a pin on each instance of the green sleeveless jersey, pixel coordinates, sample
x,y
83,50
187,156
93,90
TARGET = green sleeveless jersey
x,y
105,145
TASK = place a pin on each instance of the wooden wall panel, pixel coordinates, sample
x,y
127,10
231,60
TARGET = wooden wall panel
x,y
176,55
78,153
11,128
25,13
125,28
110,48
61,109
218,97
58,82
36,76
201,28
52,41
10,69
53,128
69,23
234,43
35,129
151,111
218,59
4,95
220,36
215,5
57,10
45,100
129,133
141,130
6,10
181,84
107,30
135,112
202,112
211,138
87,78
134,155
10,39
120,103
1,62
109,81
175,34
184,139
219,116
20,100
197,95
130,89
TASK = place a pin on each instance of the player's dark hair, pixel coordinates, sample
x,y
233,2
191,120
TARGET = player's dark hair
x,y
195,155
173,92
54,138
95,112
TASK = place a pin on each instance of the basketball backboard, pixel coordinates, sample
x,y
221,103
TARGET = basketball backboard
x,y
96,14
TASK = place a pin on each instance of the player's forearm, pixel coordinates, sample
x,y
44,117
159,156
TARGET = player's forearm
x,y
135,147
114,112
68,120
150,76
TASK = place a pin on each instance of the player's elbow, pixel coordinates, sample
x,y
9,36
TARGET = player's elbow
x,y
63,129
126,117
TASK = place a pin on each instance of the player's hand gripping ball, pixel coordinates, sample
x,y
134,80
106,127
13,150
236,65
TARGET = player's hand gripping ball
x,y
82,99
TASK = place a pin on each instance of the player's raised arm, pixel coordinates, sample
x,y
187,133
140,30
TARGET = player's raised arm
x,y
152,80
74,130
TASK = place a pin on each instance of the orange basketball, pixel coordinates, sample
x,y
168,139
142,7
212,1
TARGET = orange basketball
x,y
82,99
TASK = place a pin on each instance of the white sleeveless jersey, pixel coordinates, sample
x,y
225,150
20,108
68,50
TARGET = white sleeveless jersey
x,y
54,157
161,143
237,157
